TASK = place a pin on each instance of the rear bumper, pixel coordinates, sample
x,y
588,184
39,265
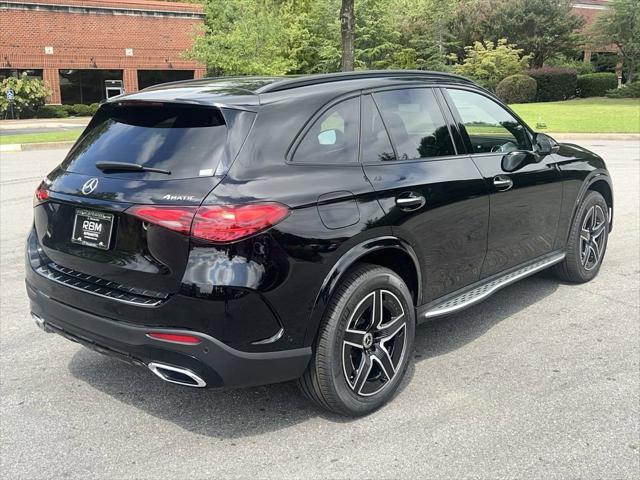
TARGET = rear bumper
x,y
213,361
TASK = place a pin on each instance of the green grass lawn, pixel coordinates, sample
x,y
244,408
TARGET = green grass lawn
x,y
61,136
583,115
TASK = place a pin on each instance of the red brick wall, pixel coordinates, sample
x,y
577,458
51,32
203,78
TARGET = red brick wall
x,y
77,38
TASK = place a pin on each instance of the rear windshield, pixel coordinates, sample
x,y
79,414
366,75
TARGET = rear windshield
x,y
189,141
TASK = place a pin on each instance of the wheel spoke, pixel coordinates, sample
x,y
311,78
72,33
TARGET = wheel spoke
x,y
598,231
594,217
382,357
354,338
390,330
376,309
595,248
362,374
585,235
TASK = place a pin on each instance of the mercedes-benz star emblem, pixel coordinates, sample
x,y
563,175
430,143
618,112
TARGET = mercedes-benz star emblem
x,y
89,186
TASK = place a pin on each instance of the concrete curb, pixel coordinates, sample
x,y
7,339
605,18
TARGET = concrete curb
x,y
16,147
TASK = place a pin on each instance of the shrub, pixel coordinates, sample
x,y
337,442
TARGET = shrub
x,y
517,89
94,108
631,90
81,110
596,84
488,63
554,83
52,111
29,94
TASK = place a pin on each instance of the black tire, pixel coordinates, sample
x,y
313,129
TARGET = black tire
x,y
332,379
592,241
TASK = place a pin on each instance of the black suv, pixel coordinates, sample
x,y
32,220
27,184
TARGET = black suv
x,y
242,231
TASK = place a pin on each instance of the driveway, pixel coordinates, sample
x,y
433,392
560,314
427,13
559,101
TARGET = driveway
x,y
540,381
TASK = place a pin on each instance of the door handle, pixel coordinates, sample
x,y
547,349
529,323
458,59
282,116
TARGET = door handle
x,y
502,183
410,201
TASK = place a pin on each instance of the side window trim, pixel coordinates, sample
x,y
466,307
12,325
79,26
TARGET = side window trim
x,y
384,124
460,124
447,118
308,125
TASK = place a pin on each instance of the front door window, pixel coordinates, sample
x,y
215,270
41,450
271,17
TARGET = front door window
x,y
489,126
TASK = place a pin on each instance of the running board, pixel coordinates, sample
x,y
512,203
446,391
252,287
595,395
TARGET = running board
x,y
474,295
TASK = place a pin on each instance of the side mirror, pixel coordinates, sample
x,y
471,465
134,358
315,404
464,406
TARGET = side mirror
x,y
327,137
515,160
545,145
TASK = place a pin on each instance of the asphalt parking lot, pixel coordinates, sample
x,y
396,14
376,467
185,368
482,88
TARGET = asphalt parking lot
x,y
540,381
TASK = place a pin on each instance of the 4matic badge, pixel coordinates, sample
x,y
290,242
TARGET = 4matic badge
x,y
183,198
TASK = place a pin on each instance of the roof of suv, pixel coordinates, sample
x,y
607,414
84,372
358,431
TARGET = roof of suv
x,y
247,90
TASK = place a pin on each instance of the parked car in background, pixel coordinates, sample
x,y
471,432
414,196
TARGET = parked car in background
x,y
242,231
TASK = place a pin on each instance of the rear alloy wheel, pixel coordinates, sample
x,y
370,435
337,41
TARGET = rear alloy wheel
x,y
374,343
587,241
364,343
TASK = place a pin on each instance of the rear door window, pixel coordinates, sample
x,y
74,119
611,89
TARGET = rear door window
x,y
416,124
189,141
333,137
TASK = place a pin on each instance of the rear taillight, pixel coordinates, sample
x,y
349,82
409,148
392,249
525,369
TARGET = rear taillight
x,y
41,195
173,218
215,223
228,223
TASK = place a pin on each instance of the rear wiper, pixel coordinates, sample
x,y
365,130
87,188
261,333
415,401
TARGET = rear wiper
x,y
128,167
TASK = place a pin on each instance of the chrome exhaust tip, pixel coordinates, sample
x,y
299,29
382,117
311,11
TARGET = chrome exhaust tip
x,y
40,323
180,376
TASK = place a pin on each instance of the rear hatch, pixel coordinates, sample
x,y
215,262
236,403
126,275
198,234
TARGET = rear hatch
x,y
85,219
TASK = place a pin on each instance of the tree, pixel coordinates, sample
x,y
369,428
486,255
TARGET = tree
x,y
488,63
29,93
347,30
539,27
256,37
620,25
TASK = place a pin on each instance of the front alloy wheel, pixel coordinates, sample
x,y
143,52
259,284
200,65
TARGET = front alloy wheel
x,y
592,237
587,242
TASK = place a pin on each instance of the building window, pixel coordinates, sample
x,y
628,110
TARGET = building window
x,y
86,86
12,72
146,78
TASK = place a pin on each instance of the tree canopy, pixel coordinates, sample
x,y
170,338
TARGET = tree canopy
x,y
304,36
620,25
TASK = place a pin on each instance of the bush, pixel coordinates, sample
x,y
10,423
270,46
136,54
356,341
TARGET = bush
x,y
517,89
81,110
29,94
626,91
488,63
52,111
596,84
554,83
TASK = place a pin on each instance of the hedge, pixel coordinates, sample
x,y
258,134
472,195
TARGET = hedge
x,y
517,89
626,91
596,84
61,111
554,83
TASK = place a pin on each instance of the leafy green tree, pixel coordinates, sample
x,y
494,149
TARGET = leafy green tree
x,y
540,27
29,93
620,25
488,63
249,37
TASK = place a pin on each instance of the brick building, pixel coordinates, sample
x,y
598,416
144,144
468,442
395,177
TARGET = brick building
x,y
87,50
590,10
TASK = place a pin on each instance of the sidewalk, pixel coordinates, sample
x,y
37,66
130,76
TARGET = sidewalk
x,y
36,123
